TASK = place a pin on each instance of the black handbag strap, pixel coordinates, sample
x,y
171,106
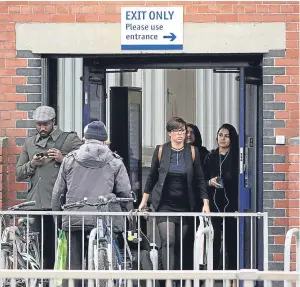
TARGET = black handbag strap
x,y
61,139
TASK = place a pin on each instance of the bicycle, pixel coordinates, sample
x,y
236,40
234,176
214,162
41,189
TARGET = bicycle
x,y
19,246
103,249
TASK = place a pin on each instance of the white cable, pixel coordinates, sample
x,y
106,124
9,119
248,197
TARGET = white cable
x,y
215,200
226,199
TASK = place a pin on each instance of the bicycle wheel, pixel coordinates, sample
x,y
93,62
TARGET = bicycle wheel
x,y
34,250
102,265
7,262
114,258
4,264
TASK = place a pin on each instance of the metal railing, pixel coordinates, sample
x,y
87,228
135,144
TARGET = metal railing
x,y
287,252
248,277
152,219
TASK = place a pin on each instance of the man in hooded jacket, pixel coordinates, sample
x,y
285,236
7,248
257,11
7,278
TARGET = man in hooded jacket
x,y
91,171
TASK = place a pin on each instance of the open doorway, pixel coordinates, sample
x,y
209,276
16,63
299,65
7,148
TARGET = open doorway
x,y
204,91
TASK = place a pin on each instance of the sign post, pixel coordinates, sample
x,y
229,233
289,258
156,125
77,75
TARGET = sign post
x,y
152,28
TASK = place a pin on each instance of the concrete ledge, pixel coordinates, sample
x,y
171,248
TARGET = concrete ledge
x,y
105,38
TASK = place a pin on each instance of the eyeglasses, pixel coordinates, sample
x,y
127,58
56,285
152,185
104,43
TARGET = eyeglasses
x,y
182,131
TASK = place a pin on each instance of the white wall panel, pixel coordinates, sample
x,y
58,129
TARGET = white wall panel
x,y
70,94
217,102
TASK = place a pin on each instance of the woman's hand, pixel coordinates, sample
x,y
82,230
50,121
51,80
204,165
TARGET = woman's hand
x,y
206,208
142,206
144,201
213,182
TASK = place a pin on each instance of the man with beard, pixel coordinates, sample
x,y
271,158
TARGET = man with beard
x,y
39,163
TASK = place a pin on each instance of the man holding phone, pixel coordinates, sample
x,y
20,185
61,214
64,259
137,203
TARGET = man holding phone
x,y
39,162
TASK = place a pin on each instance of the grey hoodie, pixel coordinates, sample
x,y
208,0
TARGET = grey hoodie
x,y
91,171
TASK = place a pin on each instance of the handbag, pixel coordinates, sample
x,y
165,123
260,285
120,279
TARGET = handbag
x,y
61,255
203,245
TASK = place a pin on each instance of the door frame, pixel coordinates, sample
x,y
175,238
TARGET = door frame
x,y
194,61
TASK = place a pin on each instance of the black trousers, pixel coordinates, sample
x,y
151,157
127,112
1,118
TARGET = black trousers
x,y
188,246
230,241
47,239
74,254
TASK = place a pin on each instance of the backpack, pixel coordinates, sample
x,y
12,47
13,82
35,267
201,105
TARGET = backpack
x,y
161,147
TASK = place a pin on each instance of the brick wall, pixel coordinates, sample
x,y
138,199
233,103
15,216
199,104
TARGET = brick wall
x,y
20,88
293,198
279,119
3,168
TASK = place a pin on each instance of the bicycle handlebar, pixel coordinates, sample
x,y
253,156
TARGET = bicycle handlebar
x,y
102,201
22,205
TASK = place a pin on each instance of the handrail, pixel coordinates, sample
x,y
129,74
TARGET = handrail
x,y
243,274
139,213
287,252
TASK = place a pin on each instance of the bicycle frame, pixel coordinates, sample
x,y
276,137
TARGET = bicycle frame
x,y
102,238
16,237
102,233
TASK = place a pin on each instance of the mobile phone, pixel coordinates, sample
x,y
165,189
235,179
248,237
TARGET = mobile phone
x,y
220,182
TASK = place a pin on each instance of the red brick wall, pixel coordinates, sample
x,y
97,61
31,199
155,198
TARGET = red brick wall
x,y
3,168
263,11
293,211
293,183
292,199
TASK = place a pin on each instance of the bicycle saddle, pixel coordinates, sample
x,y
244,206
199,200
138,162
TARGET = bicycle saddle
x,y
24,220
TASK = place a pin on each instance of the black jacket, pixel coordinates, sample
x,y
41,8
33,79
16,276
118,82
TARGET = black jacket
x,y
219,198
203,153
158,172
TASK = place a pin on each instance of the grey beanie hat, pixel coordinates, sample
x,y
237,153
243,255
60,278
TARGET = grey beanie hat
x,y
95,130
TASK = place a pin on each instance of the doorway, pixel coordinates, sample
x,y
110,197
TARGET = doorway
x,y
165,100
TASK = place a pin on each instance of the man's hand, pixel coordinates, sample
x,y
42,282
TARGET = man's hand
x,y
37,161
56,154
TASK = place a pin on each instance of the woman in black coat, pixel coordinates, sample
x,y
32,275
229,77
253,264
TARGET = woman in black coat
x,y
175,181
221,169
194,138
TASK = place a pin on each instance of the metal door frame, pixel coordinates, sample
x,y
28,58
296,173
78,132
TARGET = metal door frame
x,y
87,81
244,192
242,189
86,91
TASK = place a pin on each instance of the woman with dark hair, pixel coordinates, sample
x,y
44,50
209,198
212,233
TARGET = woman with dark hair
x,y
193,137
221,173
175,181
